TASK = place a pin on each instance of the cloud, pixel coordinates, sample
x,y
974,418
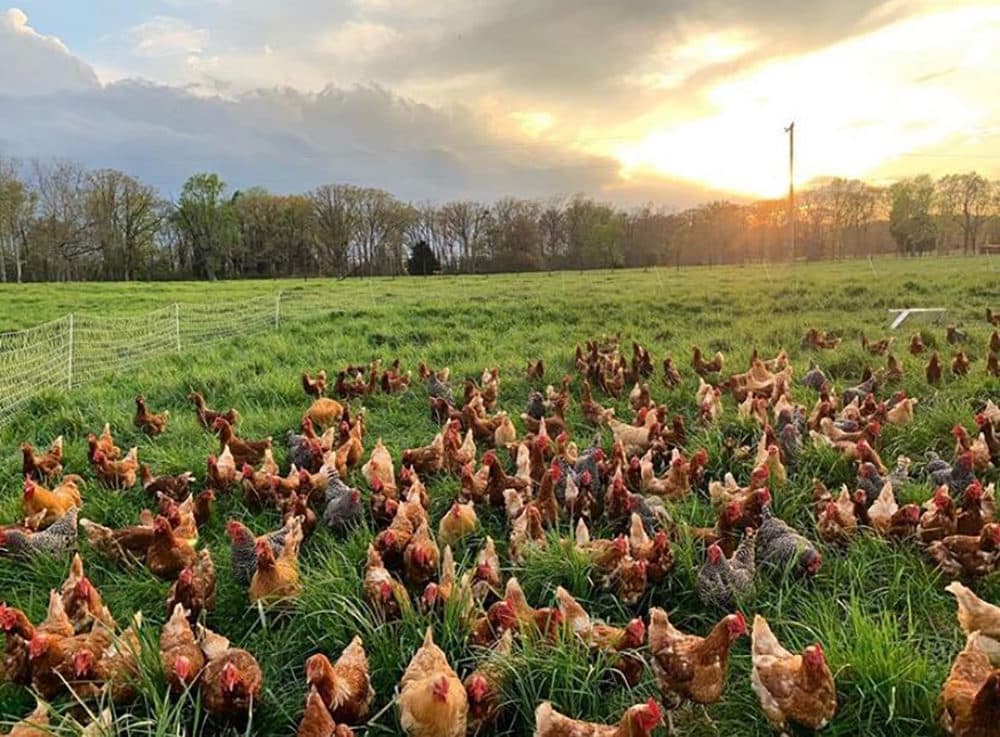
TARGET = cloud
x,y
164,36
34,64
357,40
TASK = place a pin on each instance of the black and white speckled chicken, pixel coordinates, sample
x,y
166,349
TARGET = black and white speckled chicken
x,y
343,508
790,442
722,582
436,387
536,406
956,477
860,391
304,452
779,546
814,378
870,481
57,540
243,549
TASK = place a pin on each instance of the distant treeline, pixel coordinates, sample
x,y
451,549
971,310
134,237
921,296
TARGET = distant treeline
x,y
60,221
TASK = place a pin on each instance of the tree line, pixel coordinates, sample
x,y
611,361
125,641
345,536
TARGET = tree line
x,y
60,221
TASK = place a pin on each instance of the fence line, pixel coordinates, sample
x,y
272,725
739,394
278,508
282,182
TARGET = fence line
x,y
80,348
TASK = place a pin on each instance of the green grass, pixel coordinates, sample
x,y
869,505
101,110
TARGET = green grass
x,y
878,608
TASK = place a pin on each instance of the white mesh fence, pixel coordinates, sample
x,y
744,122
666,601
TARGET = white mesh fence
x,y
79,348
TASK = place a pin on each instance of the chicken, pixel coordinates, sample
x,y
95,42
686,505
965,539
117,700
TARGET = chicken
x,y
993,364
317,722
671,376
118,666
960,364
604,637
628,580
702,366
976,615
970,698
819,340
593,412
325,412
967,555
791,688
176,487
689,667
933,369
901,413
55,503
149,422
342,508
36,724
782,548
432,700
243,451
380,466
485,685
639,721
117,474
421,557
232,681
82,601
457,523
276,577
57,540
207,416
381,591
194,588
221,472
721,583
836,523
940,518
168,554
344,687
45,467
314,386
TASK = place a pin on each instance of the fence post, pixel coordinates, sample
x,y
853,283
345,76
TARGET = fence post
x,y
69,364
277,310
177,324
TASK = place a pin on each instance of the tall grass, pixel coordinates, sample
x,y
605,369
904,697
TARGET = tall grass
x,y
877,607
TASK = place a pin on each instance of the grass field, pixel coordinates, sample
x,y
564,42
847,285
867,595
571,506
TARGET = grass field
x,y
879,609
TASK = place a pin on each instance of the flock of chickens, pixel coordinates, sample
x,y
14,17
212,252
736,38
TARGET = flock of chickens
x,y
626,489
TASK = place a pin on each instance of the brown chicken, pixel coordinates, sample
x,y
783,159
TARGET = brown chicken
x,y
593,412
604,637
432,700
970,698
82,601
458,522
345,686
55,503
277,577
639,721
117,474
207,416
917,344
44,467
791,688
967,555
151,423
485,685
232,681
194,588
933,370
421,557
176,487
325,412
688,667
960,364
317,722
381,591
993,364
314,386
243,451
168,554
36,724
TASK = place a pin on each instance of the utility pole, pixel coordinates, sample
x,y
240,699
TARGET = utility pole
x,y
790,130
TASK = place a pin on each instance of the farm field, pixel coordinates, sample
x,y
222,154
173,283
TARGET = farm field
x,y
879,609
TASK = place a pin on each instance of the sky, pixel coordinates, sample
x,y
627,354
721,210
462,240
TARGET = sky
x,y
643,100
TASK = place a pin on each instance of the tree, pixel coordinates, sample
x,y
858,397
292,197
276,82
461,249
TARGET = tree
x,y
206,225
910,221
17,204
59,231
422,261
963,200
124,219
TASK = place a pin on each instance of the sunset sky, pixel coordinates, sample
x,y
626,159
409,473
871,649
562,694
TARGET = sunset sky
x,y
674,102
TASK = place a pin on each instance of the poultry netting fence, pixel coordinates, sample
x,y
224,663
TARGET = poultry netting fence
x,y
78,349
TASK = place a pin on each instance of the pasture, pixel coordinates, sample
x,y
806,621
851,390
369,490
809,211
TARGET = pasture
x,y
878,608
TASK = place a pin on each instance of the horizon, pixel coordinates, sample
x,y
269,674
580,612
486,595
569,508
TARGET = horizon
x,y
434,101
